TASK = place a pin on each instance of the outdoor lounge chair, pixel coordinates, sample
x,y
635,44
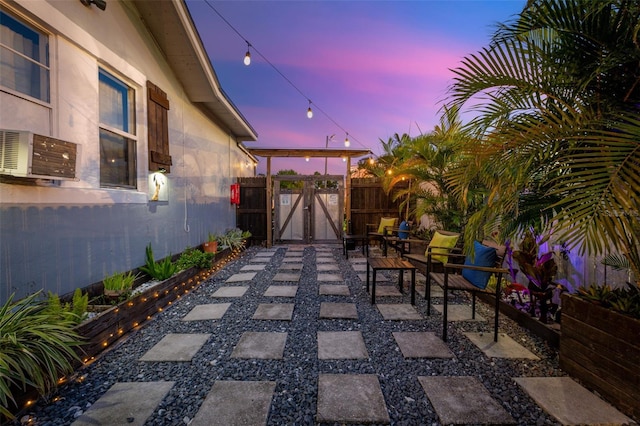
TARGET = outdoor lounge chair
x,y
383,228
442,243
473,276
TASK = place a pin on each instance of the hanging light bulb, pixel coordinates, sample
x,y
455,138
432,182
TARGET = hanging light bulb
x,y
347,142
247,57
344,159
309,111
306,158
372,161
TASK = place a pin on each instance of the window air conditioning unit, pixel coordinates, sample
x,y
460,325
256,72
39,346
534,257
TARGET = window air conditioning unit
x,y
25,154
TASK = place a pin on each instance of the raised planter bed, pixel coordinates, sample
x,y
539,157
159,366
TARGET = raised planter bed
x,y
601,348
106,328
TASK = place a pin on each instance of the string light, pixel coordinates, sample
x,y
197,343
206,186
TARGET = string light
x,y
306,158
309,111
247,61
347,142
247,57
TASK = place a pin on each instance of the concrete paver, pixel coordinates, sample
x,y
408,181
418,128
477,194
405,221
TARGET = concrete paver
x,y
274,311
387,291
241,277
351,398
333,290
176,347
341,345
281,291
570,403
459,313
505,347
207,312
325,277
398,312
260,345
236,403
338,310
417,344
253,267
379,278
234,291
288,277
328,267
463,400
122,405
291,267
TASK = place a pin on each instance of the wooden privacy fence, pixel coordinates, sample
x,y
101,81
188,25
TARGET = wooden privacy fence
x,y
369,203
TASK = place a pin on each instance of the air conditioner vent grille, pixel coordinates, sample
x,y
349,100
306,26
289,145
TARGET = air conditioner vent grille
x,y
9,149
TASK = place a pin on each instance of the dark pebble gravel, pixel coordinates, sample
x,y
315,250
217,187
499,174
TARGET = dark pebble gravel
x,y
295,398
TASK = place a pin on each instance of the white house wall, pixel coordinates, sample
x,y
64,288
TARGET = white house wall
x,y
67,234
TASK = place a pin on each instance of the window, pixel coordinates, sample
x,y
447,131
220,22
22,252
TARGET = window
x,y
24,58
117,133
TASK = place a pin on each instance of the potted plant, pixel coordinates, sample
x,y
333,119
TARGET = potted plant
x,y
211,245
118,284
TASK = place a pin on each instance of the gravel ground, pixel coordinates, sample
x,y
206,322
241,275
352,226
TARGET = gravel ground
x,y
295,398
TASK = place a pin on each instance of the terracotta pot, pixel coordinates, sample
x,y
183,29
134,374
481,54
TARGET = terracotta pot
x,y
210,247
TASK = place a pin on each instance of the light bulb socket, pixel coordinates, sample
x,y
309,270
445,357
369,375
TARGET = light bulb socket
x,y
247,58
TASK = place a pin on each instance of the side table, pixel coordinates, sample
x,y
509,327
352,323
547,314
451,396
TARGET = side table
x,y
392,264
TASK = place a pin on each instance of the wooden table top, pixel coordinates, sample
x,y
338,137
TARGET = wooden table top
x,y
389,263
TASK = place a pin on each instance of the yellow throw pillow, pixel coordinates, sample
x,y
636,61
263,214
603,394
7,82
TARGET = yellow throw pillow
x,y
384,222
447,242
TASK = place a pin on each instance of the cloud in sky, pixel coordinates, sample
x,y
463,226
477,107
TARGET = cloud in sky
x,y
375,67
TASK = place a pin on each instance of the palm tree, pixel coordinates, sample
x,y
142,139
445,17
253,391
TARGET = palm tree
x,y
557,95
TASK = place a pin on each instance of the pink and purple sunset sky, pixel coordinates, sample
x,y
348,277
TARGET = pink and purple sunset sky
x,y
374,67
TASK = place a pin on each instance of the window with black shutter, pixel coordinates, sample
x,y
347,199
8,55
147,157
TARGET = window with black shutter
x,y
159,158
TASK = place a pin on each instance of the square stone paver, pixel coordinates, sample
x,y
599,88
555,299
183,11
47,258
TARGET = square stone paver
x,y
360,267
327,267
176,347
387,290
264,260
207,312
235,291
325,259
122,405
351,398
274,311
334,290
379,277
292,259
260,345
231,402
291,267
417,344
459,313
341,345
338,310
463,400
505,347
241,277
281,291
398,312
324,277
287,277
253,267
265,253
570,403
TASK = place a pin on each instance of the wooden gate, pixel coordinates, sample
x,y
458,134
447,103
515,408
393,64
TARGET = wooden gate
x,y
251,214
305,211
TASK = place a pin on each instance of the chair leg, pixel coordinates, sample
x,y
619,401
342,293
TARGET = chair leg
x,y
427,294
444,308
495,316
473,305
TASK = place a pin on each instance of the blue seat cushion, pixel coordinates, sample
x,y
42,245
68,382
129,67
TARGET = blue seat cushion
x,y
404,226
482,256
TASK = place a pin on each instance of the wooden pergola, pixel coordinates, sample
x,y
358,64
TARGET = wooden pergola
x,y
268,153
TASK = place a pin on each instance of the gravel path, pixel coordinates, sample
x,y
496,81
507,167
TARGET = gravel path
x,y
295,398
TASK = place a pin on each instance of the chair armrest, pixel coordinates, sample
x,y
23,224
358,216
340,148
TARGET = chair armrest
x,y
476,268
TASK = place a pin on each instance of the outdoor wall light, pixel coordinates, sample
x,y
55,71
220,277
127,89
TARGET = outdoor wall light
x,y
100,4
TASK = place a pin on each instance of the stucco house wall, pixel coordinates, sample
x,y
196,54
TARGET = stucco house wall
x,y
60,235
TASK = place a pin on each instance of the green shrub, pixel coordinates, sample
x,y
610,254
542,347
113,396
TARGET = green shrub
x,y
119,281
623,300
36,348
158,270
194,258
75,311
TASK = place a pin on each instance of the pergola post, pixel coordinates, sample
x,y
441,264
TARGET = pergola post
x,y
269,202
347,194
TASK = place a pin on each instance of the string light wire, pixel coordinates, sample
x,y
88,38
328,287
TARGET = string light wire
x,y
255,49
